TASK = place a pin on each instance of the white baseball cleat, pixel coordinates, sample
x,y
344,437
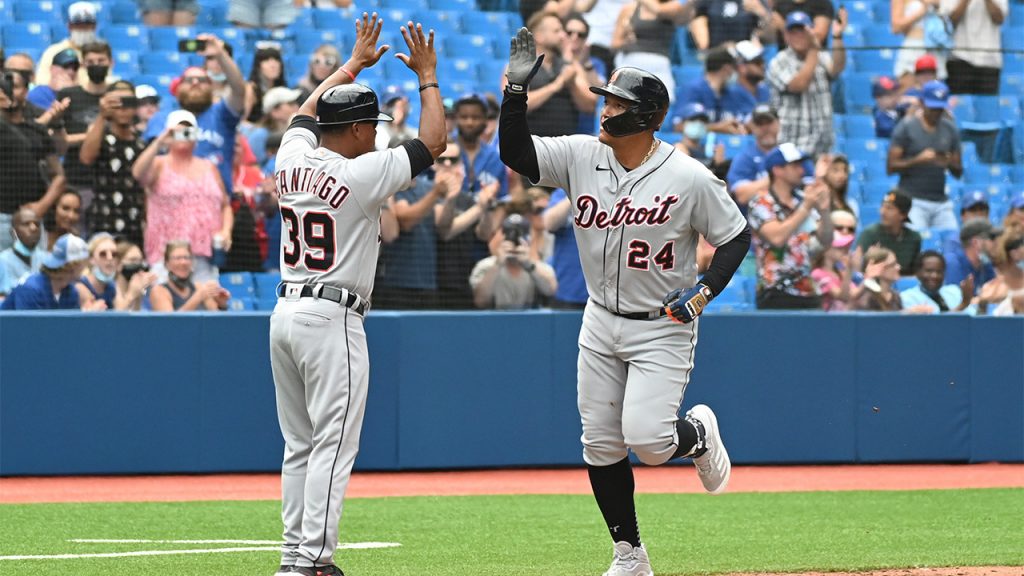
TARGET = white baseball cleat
x,y
713,466
629,561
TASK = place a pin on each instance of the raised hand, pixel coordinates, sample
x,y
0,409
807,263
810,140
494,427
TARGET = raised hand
x,y
523,62
422,58
365,52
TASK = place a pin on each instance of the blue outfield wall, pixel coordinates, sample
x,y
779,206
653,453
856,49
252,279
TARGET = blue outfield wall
x,y
113,394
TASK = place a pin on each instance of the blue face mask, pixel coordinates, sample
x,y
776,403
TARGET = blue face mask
x,y
1020,264
695,130
20,248
985,259
102,276
219,78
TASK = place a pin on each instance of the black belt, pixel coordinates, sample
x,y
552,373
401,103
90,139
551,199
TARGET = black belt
x,y
339,295
652,315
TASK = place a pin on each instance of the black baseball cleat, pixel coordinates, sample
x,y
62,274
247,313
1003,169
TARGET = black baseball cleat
x,y
331,570
284,570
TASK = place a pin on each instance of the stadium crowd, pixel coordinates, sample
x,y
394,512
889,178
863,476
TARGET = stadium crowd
x,y
878,154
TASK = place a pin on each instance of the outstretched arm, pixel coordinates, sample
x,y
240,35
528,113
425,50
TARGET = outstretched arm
x,y
515,143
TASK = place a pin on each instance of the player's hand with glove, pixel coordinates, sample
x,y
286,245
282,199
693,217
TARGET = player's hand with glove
x,y
523,62
683,306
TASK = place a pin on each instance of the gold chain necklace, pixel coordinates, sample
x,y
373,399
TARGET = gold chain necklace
x,y
654,146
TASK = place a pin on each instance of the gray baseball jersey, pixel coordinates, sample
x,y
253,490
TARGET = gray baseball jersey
x,y
637,233
330,211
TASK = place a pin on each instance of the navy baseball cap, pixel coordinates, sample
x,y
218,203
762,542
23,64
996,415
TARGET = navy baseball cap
x,y
798,19
882,86
694,110
392,93
1017,201
935,94
974,199
68,248
783,154
66,57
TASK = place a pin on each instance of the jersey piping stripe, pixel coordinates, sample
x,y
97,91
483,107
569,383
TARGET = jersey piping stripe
x,y
341,439
618,269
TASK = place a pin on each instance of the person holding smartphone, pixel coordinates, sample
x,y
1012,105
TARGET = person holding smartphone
x,y
111,146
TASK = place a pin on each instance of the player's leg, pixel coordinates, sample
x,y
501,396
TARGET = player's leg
x,y
335,367
296,429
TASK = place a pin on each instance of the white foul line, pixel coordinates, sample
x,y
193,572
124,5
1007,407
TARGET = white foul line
x,y
274,547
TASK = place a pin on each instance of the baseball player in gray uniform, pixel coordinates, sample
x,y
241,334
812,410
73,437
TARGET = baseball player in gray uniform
x,y
639,208
331,185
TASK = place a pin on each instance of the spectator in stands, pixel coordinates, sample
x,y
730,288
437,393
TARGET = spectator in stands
x,y
26,255
976,62
218,77
558,93
111,146
490,134
887,111
81,31
974,204
63,74
52,115
30,173
83,108
924,146
926,69
892,232
267,72
1006,290
711,91
906,17
747,175
280,105
21,64
218,120
530,8
322,63
727,22
565,255
460,220
833,273
784,222
148,101
53,287
395,103
834,171
800,77
932,295
481,160
262,13
99,280
881,271
601,16
820,16
844,222
972,256
512,278
63,218
186,197
1016,209
750,89
180,292
643,37
133,277
248,234
591,68
169,12
696,143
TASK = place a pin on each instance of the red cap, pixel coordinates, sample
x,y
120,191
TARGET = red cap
x,y
926,63
177,81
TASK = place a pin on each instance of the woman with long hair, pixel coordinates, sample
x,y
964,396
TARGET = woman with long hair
x,y
322,63
64,217
267,72
180,293
1006,290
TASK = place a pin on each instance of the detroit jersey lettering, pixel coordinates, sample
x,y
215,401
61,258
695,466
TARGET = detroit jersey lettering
x,y
330,210
637,230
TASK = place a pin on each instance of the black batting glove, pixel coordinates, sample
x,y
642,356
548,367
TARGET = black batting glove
x,y
683,306
523,62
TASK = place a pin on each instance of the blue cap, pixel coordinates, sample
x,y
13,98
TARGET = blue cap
x,y
798,18
1017,200
975,198
935,94
391,93
786,153
68,248
65,58
694,110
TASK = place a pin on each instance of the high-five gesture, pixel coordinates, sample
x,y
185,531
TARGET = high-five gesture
x,y
365,52
523,62
422,58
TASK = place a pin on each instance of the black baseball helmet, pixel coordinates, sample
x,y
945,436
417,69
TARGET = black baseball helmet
x,y
644,90
347,104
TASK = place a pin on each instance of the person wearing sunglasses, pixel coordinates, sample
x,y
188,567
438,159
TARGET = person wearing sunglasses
x,y
98,283
589,69
322,63
881,271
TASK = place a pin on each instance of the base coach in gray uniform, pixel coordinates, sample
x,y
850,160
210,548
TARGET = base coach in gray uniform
x,y
331,185
639,208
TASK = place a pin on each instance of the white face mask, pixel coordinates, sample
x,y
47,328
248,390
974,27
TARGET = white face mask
x,y
82,37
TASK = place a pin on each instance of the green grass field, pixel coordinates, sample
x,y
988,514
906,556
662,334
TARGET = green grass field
x,y
542,535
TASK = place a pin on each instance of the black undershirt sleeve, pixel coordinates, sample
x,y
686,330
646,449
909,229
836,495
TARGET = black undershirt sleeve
x,y
306,122
514,141
726,260
419,156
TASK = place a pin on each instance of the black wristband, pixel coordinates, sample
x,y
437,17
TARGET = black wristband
x,y
837,36
429,85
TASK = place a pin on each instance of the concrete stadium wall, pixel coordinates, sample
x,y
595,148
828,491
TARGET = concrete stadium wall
x,y
119,394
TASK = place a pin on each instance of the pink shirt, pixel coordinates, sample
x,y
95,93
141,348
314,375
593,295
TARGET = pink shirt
x,y
180,208
827,280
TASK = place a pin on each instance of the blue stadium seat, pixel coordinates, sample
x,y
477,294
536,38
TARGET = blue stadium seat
x,y
34,11
685,75
882,37
310,40
239,284
395,17
406,5
868,152
1011,84
127,37
124,13
877,62
469,46
328,19
241,304
212,14
490,71
166,38
873,193
908,282
988,173
1017,16
26,34
1018,175
734,144
234,37
160,63
161,83
6,10
266,303
463,68
498,23
869,214
454,5
962,107
126,63
443,23
857,89
969,153
1013,37
266,284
